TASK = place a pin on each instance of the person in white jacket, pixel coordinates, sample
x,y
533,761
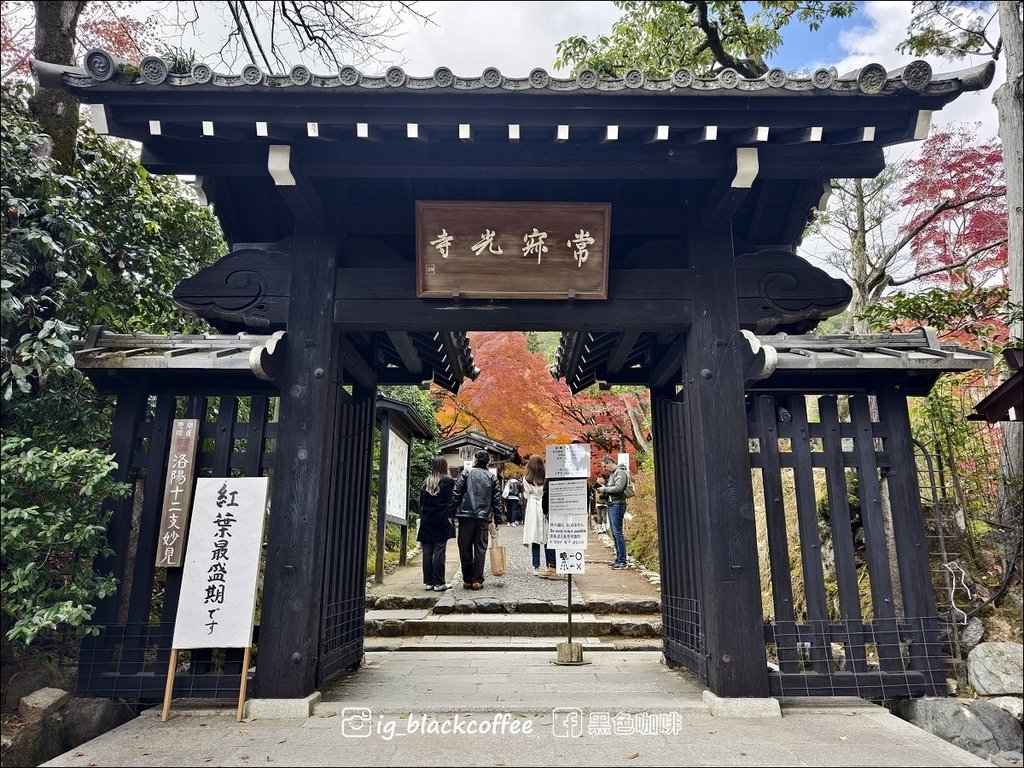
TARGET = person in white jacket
x,y
535,522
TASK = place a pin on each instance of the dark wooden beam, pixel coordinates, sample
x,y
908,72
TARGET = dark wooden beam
x,y
354,363
731,190
411,159
671,363
719,467
290,643
405,349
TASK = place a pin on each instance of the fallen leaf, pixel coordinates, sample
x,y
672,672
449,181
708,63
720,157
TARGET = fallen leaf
x,y
842,738
79,754
633,756
329,714
282,741
248,719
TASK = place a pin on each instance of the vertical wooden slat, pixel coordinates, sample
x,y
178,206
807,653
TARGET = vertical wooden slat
x,y
778,544
911,546
382,486
254,433
884,632
810,539
129,410
842,533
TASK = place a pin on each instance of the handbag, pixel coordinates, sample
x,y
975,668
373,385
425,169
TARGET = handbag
x,y
496,554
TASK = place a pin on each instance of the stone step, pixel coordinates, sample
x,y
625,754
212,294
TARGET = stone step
x,y
455,601
401,623
506,643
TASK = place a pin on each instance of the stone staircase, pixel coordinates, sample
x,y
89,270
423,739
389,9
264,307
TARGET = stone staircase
x,y
453,620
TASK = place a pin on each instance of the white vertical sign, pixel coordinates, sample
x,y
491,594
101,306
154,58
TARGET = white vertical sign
x,y
218,586
398,479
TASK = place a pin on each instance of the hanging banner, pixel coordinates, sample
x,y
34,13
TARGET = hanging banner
x,y
177,493
218,586
512,250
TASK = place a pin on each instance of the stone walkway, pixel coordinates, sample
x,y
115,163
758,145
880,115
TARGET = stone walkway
x,y
625,591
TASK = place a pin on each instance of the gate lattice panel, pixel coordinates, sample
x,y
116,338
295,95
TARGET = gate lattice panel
x,y
679,541
342,617
129,655
840,505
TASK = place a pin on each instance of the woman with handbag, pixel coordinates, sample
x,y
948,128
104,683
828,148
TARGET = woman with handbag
x,y
535,520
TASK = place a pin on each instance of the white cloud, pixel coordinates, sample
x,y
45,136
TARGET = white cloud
x,y
877,43
515,37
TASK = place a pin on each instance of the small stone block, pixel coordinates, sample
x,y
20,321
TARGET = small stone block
x,y
41,703
736,707
569,653
277,709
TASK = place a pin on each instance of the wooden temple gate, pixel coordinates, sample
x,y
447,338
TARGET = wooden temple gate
x,y
709,183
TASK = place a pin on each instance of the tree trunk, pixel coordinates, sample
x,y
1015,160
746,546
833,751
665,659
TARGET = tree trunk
x,y
55,109
1009,103
860,270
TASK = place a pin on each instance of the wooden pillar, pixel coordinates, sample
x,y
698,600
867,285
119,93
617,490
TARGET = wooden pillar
x,y
290,625
720,469
382,495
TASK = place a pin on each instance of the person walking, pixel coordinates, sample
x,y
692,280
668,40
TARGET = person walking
x,y
476,504
512,493
614,489
535,521
435,525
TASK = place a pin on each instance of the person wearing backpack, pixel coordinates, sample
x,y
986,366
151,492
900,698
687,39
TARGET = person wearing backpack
x,y
616,489
513,496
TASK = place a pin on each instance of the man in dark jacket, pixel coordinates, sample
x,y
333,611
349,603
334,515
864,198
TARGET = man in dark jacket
x,y
476,503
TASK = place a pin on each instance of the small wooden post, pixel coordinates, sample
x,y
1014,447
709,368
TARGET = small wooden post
x,y
169,688
245,682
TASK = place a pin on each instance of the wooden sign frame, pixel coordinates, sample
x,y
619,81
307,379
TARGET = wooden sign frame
x,y
512,250
178,487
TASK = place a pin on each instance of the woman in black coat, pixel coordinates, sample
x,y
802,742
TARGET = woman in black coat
x,y
435,526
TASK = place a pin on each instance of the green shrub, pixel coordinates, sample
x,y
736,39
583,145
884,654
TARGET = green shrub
x,y
54,527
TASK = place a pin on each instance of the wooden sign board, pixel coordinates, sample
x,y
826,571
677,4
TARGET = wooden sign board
x,y
397,510
177,493
218,587
512,250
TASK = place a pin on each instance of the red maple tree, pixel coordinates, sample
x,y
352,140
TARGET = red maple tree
x,y
516,401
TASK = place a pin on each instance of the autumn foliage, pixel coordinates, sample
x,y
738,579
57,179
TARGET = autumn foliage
x,y
515,400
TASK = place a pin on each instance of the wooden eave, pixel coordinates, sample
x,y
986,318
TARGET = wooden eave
x,y
251,361
370,146
806,363
472,438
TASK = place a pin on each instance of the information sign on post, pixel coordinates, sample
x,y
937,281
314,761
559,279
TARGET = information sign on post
x,y
567,461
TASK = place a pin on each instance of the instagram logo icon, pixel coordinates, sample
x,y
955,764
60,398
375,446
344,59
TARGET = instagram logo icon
x,y
356,722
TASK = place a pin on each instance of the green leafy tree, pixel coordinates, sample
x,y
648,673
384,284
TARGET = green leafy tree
x,y
660,37
104,244
955,29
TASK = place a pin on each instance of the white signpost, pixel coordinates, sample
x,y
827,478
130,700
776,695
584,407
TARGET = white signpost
x,y
218,586
568,472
